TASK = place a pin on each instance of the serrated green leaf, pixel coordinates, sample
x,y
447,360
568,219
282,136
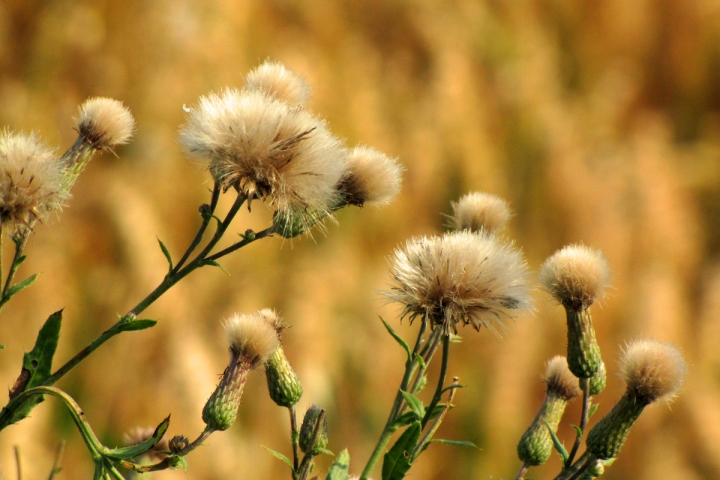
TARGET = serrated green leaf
x,y
396,461
415,404
593,409
339,470
562,451
279,456
133,325
397,338
456,443
18,287
132,451
38,361
216,264
166,252
421,384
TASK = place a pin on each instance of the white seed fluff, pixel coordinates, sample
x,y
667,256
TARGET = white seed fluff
x,y
372,178
252,337
480,211
105,122
576,275
653,370
274,79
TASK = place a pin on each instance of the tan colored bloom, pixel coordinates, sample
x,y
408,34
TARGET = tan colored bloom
x,y
263,148
460,278
480,211
653,370
251,337
31,180
576,276
372,178
105,122
274,79
560,380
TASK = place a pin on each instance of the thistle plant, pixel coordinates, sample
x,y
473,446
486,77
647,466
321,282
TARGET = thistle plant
x,y
261,143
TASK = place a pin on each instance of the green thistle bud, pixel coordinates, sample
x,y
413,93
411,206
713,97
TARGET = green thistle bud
x,y
583,356
536,444
307,431
607,437
599,380
290,224
283,383
252,339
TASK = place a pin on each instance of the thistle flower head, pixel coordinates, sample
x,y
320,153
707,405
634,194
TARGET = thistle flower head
x,y
576,276
372,178
653,371
31,180
480,211
459,278
265,149
560,380
105,122
251,337
272,78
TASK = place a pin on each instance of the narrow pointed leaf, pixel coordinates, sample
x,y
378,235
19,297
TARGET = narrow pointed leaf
x,y
216,264
593,409
415,404
132,451
578,432
562,451
19,261
396,462
455,443
421,384
166,252
133,325
409,417
279,456
17,287
398,338
340,467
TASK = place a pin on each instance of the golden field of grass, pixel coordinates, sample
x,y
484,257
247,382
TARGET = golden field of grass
x,y
598,121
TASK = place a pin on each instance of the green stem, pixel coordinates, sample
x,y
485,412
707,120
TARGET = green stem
x,y
169,461
570,472
168,282
304,469
441,381
427,353
294,439
20,243
201,232
585,385
431,431
389,429
522,472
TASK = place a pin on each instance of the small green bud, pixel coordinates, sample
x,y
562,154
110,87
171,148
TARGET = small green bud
x,y
583,355
221,409
307,431
607,437
536,444
599,380
292,224
283,383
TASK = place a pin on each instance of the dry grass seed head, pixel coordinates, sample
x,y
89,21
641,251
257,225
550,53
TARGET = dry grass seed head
x,y
560,380
263,148
576,276
460,278
653,370
274,79
105,122
372,178
31,180
479,211
252,337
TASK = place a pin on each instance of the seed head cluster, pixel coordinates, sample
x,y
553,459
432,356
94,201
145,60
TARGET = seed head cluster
x,y
251,337
653,370
31,180
274,79
372,178
105,123
576,276
560,380
479,211
460,278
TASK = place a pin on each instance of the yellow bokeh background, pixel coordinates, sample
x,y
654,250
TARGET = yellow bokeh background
x,y
598,121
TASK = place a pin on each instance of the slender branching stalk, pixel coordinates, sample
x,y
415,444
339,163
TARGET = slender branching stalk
x,y
585,386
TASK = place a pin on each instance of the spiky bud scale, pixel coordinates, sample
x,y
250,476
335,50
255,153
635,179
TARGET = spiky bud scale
x,y
599,380
307,431
607,437
536,444
283,383
583,355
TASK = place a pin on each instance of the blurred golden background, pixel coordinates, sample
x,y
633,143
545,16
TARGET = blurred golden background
x,y
598,121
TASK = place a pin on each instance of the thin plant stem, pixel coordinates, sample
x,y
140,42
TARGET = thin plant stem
x,y
18,464
168,282
441,381
585,385
522,472
2,234
431,431
583,463
168,462
427,353
201,232
20,243
389,429
58,460
294,438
